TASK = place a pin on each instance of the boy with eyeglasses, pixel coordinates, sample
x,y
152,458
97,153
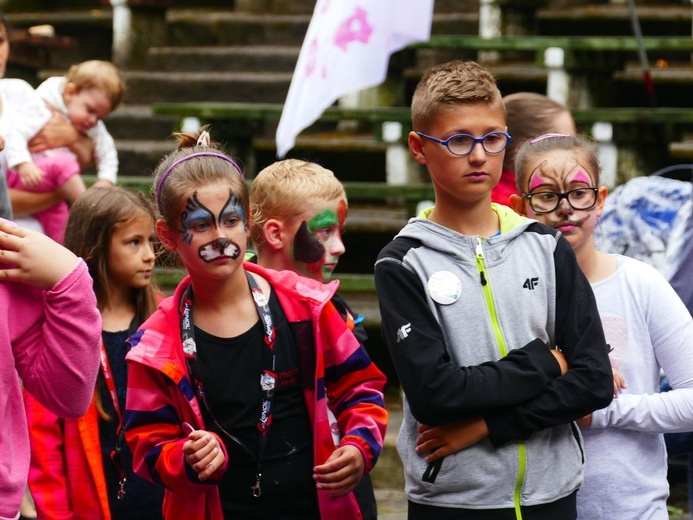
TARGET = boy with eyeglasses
x,y
491,325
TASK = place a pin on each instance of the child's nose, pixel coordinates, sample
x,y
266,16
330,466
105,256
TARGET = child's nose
x,y
337,246
149,253
478,154
564,207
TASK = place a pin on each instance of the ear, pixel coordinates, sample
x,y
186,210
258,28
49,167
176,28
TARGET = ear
x,y
165,236
601,199
273,234
70,89
415,142
517,203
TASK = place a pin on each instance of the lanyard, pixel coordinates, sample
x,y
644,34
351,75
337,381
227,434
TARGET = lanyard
x,y
116,456
268,376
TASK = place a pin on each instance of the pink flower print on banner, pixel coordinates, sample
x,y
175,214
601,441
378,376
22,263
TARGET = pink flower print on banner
x,y
354,29
312,57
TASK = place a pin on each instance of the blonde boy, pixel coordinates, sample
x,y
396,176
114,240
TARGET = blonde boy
x,y
473,300
299,210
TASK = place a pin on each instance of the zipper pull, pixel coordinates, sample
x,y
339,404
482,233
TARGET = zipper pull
x,y
480,258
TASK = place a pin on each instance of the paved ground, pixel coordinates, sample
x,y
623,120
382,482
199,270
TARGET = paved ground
x,y
392,504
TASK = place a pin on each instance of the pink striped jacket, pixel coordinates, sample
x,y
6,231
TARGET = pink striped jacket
x,y
160,396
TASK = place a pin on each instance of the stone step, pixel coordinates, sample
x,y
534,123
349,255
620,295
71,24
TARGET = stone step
x,y
511,76
149,87
244,58
188,27
672,84
139,157
138,121
91,28
614,19
353,158
388,472
225,27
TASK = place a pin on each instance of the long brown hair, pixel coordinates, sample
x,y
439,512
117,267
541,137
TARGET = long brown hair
x,y
93,219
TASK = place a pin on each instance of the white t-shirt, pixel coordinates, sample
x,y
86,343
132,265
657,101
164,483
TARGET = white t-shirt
x,y
648,328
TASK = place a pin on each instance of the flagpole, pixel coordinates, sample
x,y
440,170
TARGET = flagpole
x,y
644,62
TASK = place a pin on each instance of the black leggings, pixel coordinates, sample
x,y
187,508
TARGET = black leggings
x,y
562,509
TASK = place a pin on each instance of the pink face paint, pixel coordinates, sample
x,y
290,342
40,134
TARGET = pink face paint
x,y
580,176
535,181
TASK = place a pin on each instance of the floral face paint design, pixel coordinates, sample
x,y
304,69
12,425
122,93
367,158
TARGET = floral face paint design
x,y
196,218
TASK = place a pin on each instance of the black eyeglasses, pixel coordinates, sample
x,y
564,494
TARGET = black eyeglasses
x,y
548,201
463,144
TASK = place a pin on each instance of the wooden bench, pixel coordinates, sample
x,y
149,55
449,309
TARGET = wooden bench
x,y
258,112
374,195
568,43
249,124
247,116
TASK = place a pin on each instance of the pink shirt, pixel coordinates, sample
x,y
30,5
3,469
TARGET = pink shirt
x,y
51,340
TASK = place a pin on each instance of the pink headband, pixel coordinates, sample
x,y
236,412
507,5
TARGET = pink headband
x,y
182,160
547,136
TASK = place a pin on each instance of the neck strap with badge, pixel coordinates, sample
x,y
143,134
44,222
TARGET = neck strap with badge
x,y
268,376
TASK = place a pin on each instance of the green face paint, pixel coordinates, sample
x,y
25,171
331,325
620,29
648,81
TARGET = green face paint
x,y
324,219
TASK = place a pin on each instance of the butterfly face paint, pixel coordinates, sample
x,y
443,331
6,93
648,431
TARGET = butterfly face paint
x,y
559,176
198,220
561,172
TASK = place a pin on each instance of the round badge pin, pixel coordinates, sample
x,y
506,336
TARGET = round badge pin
x,y
444,287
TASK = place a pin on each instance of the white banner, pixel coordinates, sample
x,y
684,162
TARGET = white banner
x,y
347,48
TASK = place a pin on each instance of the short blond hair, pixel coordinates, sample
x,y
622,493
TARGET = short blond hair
x,y
102,75
449,84
283,189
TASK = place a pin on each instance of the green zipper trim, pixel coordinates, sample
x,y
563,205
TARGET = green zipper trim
x,y
502,347
522,456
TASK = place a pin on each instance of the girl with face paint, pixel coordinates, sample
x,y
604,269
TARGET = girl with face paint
x,y
81,468
228,384
645,323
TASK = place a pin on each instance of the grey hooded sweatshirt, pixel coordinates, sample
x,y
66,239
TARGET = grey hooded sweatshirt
x,y
469,322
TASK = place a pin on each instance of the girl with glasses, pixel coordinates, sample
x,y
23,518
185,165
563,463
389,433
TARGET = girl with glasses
x,y
645,323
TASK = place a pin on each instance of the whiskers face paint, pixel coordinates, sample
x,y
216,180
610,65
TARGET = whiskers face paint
x,y
221,247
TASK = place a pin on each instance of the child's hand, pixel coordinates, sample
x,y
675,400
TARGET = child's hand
x,y
619,382
341,472
560,357
449,438
30,174
203,453
37,260
585,422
